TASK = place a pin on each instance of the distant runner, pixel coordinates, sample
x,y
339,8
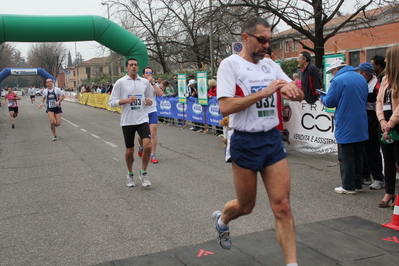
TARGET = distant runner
x,y
53,97
32,94
12,98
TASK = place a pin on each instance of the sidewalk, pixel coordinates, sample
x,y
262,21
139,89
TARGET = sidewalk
x,y
347,241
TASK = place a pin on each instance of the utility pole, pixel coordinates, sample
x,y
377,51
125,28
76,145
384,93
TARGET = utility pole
x,y
211,39
110,51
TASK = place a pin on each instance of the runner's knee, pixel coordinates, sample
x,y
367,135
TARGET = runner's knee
x,y
246,208
282,209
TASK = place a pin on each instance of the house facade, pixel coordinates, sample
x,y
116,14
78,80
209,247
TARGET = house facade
x,y
358,41
96,67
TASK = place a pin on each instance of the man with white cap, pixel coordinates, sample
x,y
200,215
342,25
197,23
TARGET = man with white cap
x,y
348,94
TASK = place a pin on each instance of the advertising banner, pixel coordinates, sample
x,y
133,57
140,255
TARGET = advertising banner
x,y
202,86
193,111
182,86
310,127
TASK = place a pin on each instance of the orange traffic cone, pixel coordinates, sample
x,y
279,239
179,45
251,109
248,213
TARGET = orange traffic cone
x,y
395,217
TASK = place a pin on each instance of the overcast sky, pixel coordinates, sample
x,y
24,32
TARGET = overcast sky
x,y
58,7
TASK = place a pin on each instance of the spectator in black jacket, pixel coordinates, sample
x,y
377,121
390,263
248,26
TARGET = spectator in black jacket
x,y
311,80
378,62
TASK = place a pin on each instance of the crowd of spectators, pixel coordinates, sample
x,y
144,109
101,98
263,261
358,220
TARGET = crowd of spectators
x,y
170,90
94,88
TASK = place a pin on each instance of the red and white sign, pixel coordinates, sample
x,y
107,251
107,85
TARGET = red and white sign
x,y
236,47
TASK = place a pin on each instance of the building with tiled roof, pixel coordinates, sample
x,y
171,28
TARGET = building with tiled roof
x,y
92,68
358,41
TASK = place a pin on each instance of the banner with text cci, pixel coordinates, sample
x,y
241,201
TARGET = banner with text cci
x,y
310,127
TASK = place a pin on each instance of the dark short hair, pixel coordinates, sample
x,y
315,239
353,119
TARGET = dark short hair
x,y
250,24
306,55
379,60
147,67
127,61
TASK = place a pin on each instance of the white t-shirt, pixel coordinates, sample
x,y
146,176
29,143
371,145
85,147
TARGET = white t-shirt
x,y
153,108
50,102
238,77
135,113
57,91
32,91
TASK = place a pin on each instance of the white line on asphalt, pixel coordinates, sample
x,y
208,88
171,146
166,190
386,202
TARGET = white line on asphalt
x,y
110,144
95,136
69,122
106,142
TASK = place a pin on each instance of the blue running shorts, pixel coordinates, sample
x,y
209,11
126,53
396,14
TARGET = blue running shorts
x,y
255,151
153,118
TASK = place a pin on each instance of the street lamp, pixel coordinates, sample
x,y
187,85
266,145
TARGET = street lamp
x,y
106,4
110,52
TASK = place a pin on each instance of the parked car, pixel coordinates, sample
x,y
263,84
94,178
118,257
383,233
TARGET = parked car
x,y
38,92
18,91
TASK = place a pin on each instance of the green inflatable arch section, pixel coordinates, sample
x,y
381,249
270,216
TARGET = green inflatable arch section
x,y
21,28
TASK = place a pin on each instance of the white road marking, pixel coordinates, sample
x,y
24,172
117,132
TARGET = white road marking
x,y
69,122
95,136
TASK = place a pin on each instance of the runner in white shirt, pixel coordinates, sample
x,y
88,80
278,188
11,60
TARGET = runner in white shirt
x,y
152,115
247,86
133,93
53,97
32,94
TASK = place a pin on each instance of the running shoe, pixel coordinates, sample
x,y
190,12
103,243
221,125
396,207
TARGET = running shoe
x,y
153,159
55,138
341,190
377,185
12,126
144,179
130,181
222,236
140,152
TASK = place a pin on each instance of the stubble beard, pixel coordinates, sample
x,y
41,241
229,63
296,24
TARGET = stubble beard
x,y
257,57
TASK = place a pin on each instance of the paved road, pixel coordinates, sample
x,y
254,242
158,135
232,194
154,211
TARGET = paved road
x,y
66,203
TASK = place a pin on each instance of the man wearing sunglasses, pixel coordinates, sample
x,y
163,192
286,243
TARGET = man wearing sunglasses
x,y
248,84
152,114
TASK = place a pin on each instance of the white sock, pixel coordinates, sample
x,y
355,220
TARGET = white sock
x,y
222,225
292,264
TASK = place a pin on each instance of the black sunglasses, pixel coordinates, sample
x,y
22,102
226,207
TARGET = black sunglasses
x,y
261,39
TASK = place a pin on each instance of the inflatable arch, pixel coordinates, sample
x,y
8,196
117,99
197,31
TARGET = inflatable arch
x,y
24,72
21,28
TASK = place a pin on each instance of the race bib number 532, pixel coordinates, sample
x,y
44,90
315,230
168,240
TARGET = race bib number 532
x,y
266,106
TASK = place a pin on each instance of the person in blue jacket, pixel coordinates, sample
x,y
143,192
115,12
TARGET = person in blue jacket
x,y
348,94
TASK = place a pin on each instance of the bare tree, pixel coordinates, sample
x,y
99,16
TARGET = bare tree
x,y
190,39
310,18
6,55
48,56
150,23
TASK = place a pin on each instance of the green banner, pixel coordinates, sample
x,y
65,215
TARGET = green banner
x,y
202,81
182,86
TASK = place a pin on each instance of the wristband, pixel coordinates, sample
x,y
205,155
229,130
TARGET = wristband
x,y
153,83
